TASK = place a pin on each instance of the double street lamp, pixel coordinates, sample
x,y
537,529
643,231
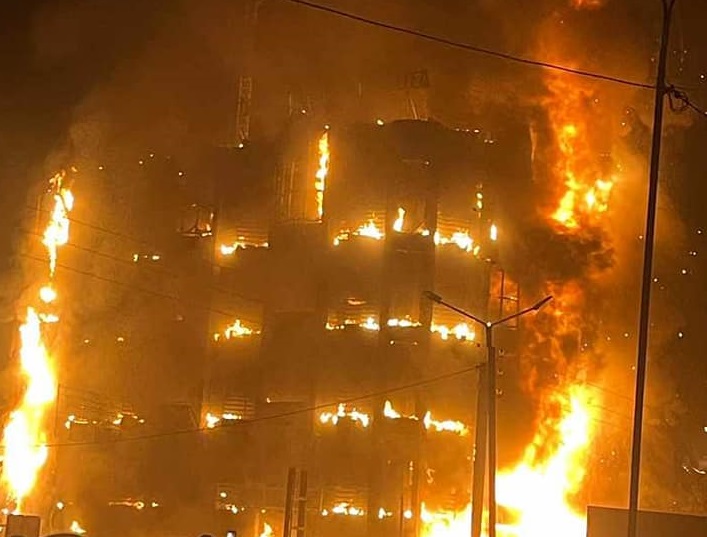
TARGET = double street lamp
x,y
488,380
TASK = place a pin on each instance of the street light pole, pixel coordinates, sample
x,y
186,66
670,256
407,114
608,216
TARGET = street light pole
x,y
490,418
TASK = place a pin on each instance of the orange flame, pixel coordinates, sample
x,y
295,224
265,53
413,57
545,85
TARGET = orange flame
x,y
541,487
587,188
322,172
399,221
24,436
57,232
553,469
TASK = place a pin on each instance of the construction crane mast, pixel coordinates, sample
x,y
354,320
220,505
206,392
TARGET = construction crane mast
x,y
245,78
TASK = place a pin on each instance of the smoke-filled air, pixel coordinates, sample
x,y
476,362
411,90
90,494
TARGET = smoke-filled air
x,y
353,269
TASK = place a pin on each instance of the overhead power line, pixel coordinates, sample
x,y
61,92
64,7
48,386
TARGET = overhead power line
x,y
132,262
471,48
684,100
313,408
158,270
144,290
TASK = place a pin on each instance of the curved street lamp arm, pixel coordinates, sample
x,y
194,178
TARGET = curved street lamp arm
x,y
439,300
534,307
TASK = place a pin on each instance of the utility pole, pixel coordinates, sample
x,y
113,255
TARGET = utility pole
x,y
660,92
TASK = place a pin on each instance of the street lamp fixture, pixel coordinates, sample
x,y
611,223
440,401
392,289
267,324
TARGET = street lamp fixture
x,y
488,380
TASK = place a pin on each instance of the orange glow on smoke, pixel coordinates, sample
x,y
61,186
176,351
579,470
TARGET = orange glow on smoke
x,y
586,188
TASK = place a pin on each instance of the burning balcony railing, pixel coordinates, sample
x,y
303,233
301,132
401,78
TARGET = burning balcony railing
x,y
428,421
149,257
118,420
461,332
368,230
137,505
344,509
212,421
458,332
344,413
241,243
369,323
460,238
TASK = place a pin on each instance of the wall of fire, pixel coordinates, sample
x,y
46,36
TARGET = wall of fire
x,y
359,222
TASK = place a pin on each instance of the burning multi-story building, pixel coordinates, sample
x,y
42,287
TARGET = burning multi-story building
x,y
324,373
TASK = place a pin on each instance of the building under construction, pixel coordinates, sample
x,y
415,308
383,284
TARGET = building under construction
x,y
338,367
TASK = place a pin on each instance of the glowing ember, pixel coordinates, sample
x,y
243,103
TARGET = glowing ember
x,y
399,221
322,172
24,436
354,415
493,233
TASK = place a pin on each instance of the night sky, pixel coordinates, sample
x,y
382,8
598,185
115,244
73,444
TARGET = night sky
x,y
106,84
